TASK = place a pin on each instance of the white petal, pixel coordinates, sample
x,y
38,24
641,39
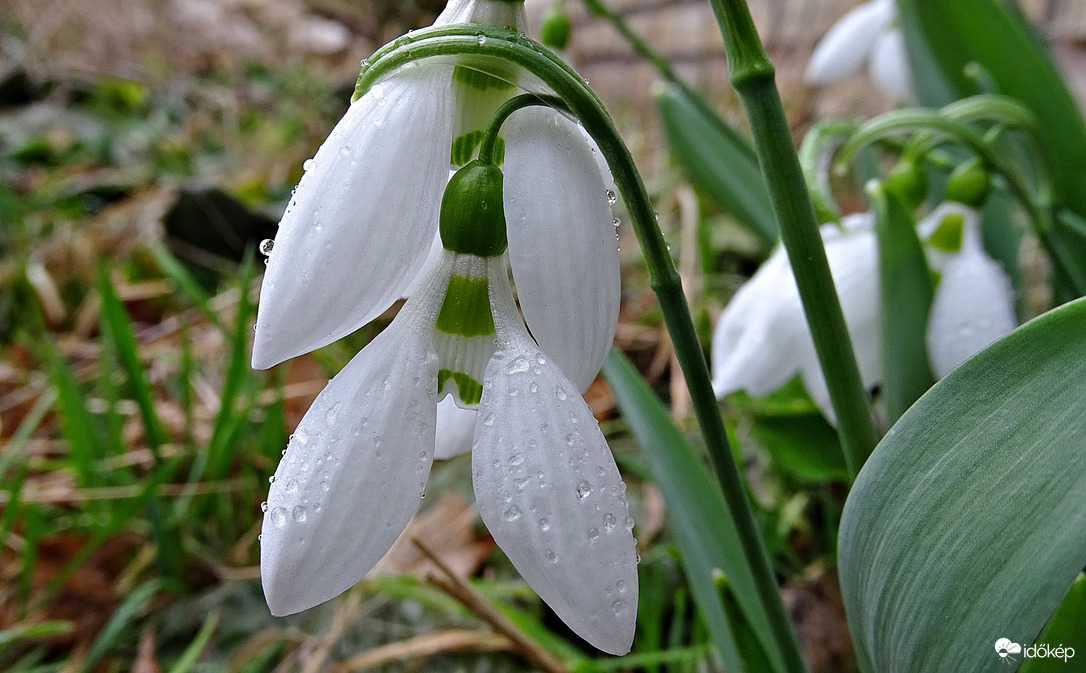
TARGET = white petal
x,y
551,495
501,13
889,65
363,218
848,43
455,429
938,259
973,306
548,488
762,339
354,470
561,241
759,338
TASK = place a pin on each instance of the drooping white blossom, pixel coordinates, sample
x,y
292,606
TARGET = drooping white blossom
x,y
355,238
866,35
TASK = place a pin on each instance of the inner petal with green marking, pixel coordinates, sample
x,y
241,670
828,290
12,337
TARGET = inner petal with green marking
x,y
479,93
464,334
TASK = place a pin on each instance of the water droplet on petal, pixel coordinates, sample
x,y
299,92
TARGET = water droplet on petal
x,y
616,223
264,506
551,556
516,459
308,165
561,394
279,516
584,489
489,420
611,197
593,533
544,525
517,365
521,482
292,486
330,415
621,586
610,521
271,479
324,486
629,523
266,246
618,606
299,514
482,39
533,387
301,435
512,514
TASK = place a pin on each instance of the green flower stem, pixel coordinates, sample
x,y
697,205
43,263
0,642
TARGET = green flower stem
x,y
816,157
504,47
753,76
490,136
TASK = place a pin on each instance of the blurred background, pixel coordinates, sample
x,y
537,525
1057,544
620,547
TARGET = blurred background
x,y
146,148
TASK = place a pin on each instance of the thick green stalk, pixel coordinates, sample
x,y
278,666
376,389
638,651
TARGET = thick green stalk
x,y
753,77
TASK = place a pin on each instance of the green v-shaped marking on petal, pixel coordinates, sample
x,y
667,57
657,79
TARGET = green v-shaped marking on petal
x,y
465,311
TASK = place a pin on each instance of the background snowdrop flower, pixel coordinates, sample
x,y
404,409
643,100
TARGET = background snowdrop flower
x,y
546,483
867,34
974,301
762,340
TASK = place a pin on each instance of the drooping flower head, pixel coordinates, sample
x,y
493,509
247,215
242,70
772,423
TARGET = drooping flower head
x,y
372,204
867,34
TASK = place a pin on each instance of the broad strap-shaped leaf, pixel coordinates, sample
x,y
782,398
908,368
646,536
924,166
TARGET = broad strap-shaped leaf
x,y
718,160
906,294
697,514
968,523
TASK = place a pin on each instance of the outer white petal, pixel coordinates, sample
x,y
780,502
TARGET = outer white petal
x,y
849,42
889,65
758,341
362,220
354,470
455,429
561,241
548,488
973,306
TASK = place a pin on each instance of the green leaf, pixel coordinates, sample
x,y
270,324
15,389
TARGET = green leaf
x,y
196,647
906,292
802,444
718,160
995,35
120,624
1067,628
698,516
966,524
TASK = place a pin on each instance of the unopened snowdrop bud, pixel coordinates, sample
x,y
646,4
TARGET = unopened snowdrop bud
x,y
556,28
909,181
969,183
472,213
973,305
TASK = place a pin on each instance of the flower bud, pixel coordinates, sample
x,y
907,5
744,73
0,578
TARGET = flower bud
x,y
907,180
556,28
473,212
969,183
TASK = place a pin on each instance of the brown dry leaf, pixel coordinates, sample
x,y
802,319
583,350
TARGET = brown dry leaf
x,y
818,614
448,528
145,654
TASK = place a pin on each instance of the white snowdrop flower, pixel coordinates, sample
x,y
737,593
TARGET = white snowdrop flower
x,y
974,301
762,340
867,34
354,239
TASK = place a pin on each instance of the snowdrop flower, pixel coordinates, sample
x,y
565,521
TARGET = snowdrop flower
x,y
762,340
354,239
974,301
867,34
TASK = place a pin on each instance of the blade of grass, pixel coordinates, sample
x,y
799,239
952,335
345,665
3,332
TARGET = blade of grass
x,y
117,328
197,646
188,285
120,624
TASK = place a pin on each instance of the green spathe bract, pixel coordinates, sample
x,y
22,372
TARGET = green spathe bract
x,y
472,214
966,523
